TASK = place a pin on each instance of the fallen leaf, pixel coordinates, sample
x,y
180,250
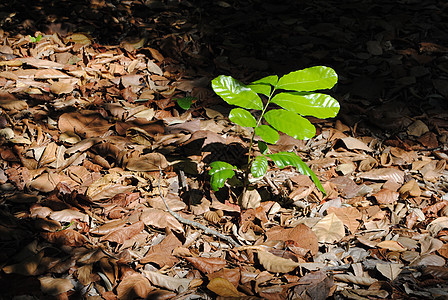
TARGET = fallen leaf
x,y
134,286
276,264
173,284
389,270
55,286
330,229
222,287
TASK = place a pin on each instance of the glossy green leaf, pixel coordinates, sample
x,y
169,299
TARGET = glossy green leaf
x,y
259,166
271,80
267,133
263,89
310,79
220,172
236,93
308,104
283,159
242,117
290,123
263,147
185,103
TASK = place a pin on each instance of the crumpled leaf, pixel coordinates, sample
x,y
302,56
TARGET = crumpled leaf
x,y
134,285
55,286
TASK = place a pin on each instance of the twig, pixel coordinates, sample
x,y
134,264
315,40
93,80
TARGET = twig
x,y
193,223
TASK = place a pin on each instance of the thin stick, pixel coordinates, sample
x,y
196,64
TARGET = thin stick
x,y
193,223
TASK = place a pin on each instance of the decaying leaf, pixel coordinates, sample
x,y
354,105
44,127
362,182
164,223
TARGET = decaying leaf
x,y
134,285
390,271
173,284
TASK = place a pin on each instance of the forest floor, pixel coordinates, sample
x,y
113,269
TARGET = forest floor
x,y
89,113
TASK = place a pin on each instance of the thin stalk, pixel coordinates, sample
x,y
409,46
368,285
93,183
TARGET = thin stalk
x,y
250,159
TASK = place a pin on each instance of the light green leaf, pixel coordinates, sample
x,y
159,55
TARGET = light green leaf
x,y
310,79
235,93
290,123
262,147
242,117
267,133
283,159
220,172
259,166
270,80
264,85
263,89
185,103
308,104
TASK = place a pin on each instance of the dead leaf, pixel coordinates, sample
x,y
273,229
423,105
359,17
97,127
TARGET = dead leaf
x,y
134,285
173,284
122,234
55,286
207,265
276,264
391,245
348,215
222,287
389,270
330,229
386,196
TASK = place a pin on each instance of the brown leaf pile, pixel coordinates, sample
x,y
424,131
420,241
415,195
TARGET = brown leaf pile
x,y
85,127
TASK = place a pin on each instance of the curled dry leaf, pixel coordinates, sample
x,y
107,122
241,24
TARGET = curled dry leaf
x,y
146,162
222,287
437,225
410,189
354,279
249,199
353,143
68,215
173,284
384,174
134,286
330,229
26,267
276,264
348,215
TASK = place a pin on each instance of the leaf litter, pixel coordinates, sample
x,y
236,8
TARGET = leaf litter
x,y
88,117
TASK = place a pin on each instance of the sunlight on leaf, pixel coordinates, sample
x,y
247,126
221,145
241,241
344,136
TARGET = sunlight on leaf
x,y
290,123
220,172
310,79
242,117
235,93
308,104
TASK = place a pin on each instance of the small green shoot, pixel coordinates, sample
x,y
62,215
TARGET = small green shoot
x,y
185,103
35,39
294,96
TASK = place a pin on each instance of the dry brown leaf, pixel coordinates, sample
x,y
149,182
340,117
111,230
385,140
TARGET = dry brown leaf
x,y
249,199
84,274
68,215
26,267
330,229
122,234
147,162
134,286
443,251
62,87
437,225
386,196
207,265
55,286
173,284
160,219
40,63
161,254
418,128
348,215
354,279
391,246
410,189
353,143
222,287
302,236
389,270
85,123
384,174
276,264
67,237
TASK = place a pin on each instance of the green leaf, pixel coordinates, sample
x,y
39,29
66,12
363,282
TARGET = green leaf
x,y
262,147
185,103
310,79
263,89
308,104
235,93
242,117
264,85
259,166
267,133
269,80
220,172
290,123
283,159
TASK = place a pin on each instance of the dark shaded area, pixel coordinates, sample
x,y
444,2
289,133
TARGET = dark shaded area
x,y
390,55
